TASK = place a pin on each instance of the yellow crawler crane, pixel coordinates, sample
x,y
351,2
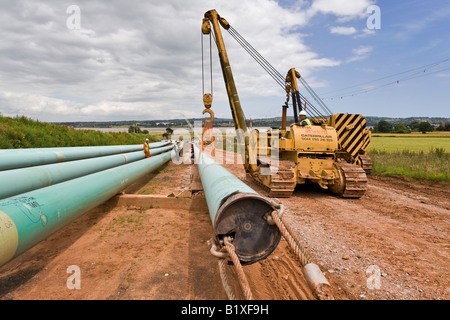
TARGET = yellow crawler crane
x,y
330,152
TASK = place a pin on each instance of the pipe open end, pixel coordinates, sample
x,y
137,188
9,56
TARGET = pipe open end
x,y
243,217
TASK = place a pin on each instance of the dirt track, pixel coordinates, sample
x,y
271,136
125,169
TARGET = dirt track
x,y
391,244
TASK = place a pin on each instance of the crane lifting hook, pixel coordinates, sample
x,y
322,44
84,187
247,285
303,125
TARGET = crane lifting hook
x,y
207,101
211,118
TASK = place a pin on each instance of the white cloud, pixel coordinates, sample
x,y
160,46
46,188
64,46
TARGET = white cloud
x,y
360,53
143,61
365,33
343,30
344,9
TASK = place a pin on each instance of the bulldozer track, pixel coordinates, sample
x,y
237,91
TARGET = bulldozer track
x,y
282,180
355,180
366,163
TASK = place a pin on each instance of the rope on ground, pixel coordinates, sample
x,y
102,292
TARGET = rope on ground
x,y
225,283
316,280
239,270
230,253
289,235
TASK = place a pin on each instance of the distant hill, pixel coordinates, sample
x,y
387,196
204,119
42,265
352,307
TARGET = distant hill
x,y
371,121
224,122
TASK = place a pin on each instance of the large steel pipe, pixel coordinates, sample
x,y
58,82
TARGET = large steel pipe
x,y
21,158
28,218
16,181
124,148
237,211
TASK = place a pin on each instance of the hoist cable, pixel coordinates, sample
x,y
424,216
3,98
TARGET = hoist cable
x,y
203,68
210,63
203,63
266,67
276,75
315,96
258,54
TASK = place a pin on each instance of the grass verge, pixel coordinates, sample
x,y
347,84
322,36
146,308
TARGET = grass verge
x,y
22,132
433,165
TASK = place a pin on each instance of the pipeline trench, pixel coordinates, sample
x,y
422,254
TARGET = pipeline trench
x,y
151,242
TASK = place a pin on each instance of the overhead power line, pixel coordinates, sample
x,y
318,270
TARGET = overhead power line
x,y
424,71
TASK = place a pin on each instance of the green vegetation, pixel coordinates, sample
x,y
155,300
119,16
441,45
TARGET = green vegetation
x,y
137,129
168,134
22,132
415,155
384,126
417,165
414,142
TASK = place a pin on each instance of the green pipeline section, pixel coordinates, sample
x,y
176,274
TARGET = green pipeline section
x,y
28,218
32,178
21,158
237,211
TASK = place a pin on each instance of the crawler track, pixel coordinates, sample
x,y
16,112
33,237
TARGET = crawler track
x,y
281,181
355,180
366,163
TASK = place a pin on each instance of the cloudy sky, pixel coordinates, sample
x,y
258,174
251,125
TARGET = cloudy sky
x,y
138,60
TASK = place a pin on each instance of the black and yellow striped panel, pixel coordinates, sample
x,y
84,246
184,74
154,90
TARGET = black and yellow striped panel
x,y
351,131
367,138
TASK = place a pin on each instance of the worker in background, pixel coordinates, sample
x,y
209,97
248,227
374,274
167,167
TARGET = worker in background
x,y
304,121
146,149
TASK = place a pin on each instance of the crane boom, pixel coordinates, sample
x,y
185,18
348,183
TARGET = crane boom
x,y
233,97
212,18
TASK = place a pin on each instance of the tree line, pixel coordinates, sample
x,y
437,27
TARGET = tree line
x,y
384,126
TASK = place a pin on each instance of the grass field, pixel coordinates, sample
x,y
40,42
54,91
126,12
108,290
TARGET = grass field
x,y
414,142
416,155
